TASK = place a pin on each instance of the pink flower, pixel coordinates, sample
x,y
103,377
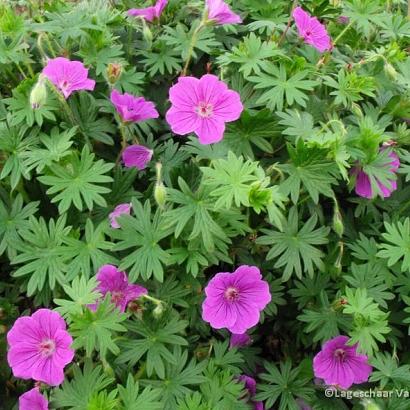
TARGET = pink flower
x,y
121,209
116,282
220,13
33,400
68,76
234,300
137,156
340,365
250,385
132,108
239,340
150,13
311,30
40,347
363,185
202,106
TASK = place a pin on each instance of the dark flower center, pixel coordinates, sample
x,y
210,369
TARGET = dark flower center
x,y
116,297
204,109
47,347
231,294
340,354
64,85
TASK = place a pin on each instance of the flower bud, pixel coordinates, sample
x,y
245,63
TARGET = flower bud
x,y
114,71
160,192
38,95
338,226
147,34
356,110
158,311
390,71
370,405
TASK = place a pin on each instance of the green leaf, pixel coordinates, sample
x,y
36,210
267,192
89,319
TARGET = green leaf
x,y
397,245
281,87
78,182
143,234
42,253
292,246
310,170
56,146
194,213
230,180
161,59
134,399
283,384
251,54
82,292
153,341
75,394
387,371
15,142
89,254
13,220
97,330
324,320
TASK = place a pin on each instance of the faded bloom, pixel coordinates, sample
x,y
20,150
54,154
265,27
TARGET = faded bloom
x,y
343,20
33,400
234,300
114,71
202,106
250,385
137,156
149,13
341,365
132,108
121,209
68,76
220,13
239,340
311,30
116,283
40,347
363,185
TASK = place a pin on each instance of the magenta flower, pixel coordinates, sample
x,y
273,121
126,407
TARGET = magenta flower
x,y
149,13
220,13
33,400
40,347
68,76
116,282
311,30
202,106
132,108
239,340
234,300
363,185
341,365
250,385
137,156
121,209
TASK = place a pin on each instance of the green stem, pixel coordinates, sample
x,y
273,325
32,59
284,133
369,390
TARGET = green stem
x,y
21,70
40,46
282,37
153,300
192,44
341,34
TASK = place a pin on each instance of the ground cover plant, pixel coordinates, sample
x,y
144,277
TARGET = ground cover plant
x,y
204,204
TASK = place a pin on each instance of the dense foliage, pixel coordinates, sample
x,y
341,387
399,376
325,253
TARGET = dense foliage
x,y
305,185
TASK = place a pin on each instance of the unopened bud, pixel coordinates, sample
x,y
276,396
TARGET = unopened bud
x,y
356,110
147,34
370,405
338,226
114,71
390,71
38,95
158,311
160,192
